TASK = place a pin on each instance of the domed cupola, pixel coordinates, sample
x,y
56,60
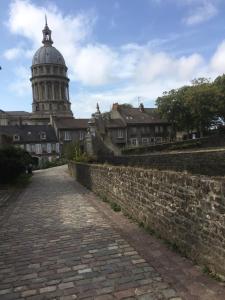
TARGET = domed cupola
x,y
50,83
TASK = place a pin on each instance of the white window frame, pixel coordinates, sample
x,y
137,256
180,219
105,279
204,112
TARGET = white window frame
x,y
134,142
67,136
43,135
120,134
16,138
145,140
49,148
81,135
38,149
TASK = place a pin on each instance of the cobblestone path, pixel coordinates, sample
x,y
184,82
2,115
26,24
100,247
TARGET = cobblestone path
x,y
59,242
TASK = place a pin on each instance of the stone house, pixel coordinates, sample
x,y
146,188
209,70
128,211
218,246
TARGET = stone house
x,y
39,140
126,126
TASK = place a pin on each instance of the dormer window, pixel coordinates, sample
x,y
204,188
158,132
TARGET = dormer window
x,y
43,135
16,138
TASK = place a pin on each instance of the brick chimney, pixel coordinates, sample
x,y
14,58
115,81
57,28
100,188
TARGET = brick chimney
x,y
115,106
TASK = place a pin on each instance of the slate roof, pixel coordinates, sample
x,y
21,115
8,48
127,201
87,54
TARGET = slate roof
x,y
70,123
30,133
114,123
18,113
136,116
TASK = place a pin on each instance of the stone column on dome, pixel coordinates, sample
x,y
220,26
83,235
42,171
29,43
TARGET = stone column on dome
x,y
60,90
46,91
33,91
53,90
67,91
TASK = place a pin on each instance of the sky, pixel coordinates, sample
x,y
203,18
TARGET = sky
x,y
125,51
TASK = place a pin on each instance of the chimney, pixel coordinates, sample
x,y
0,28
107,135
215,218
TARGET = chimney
x,y
115,106
141,107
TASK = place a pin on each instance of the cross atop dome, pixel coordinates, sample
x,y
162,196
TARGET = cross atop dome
x,y
47,39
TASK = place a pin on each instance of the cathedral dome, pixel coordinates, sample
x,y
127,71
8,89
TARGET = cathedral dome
x,y
48,55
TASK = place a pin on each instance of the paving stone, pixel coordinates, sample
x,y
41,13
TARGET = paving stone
x,y
28,293
58,243
47,289
66,285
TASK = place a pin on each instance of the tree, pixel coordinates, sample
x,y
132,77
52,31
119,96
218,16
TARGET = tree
x,y
219,84
192,107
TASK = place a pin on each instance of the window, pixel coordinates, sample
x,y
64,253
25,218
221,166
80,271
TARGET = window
x,y
55,70
57,147
67,136
158,140
134,142
38,149
156,129
120,133
49,148
16,138
43,135
81,135
48,69
28,147
152,140
44,148
33,148
161,129
144,141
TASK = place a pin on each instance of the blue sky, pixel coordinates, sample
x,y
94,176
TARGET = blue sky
x,y
116,50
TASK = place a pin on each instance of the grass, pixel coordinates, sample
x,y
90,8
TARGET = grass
x,y
210,273
115,207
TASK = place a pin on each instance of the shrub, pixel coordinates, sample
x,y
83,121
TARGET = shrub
x,y
13,162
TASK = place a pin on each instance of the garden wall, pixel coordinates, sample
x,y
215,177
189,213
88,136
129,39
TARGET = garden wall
x,y
188,211
205,162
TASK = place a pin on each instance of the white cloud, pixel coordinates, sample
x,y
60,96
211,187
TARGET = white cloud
x,y
218,59
102,73
12,53
21,86
94,64
204,11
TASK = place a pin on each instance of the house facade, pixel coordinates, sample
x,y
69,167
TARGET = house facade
x,y
126,126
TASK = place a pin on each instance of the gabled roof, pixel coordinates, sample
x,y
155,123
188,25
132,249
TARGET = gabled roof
x,y
30,133
138,116
71,123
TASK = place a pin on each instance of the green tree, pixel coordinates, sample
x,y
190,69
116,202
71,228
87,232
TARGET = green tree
x,y
192,107
219,84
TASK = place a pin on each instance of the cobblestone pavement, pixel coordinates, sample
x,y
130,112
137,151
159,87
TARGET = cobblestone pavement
x,y
60,242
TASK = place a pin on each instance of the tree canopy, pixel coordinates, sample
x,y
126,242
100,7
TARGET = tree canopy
x,y
197,107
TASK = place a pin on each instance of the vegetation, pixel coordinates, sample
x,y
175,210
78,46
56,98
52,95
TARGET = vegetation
x,y
74,151
13,163
54,163
198,107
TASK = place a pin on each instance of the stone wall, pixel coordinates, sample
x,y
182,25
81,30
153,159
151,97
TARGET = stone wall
x,y
204,162
186,210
